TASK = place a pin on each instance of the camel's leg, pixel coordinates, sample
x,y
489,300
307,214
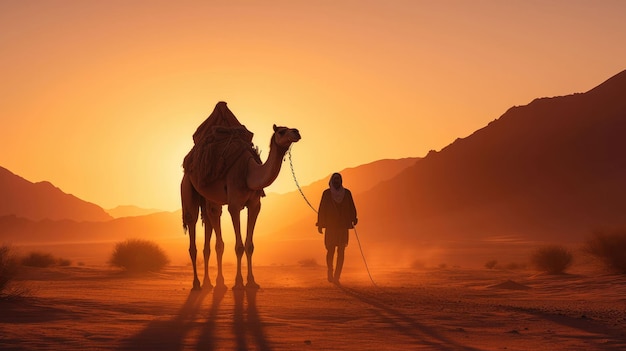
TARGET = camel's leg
x,y
215,213
208,230
235,214
193,253
253,214
190,206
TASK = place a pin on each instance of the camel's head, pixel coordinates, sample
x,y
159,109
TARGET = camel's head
x,y
283,136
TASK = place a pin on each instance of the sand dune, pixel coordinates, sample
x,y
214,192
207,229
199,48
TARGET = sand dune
x,y
93,307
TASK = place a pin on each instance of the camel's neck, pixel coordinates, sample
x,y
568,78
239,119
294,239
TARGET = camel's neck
x,y
263,175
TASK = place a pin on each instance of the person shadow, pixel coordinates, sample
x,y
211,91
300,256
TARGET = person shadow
x,y
404,324
173,334
207,338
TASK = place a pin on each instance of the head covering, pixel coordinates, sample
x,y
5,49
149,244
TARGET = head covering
x,y
339,192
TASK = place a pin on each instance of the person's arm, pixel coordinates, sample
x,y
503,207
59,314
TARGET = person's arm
x,y
321,213
353,216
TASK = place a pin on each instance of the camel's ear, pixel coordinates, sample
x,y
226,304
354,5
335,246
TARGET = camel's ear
x,y
275,128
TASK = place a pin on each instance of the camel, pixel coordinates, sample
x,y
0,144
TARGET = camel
x,y
241,186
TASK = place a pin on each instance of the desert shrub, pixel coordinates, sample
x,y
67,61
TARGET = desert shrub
x,y
491,264
513,266
553,259
309,262
9,266
609,248
39,259
63,262
136,255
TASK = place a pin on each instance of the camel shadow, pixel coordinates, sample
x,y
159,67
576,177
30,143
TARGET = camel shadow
x,y
206,341
173,334
169,334
247,324
405,324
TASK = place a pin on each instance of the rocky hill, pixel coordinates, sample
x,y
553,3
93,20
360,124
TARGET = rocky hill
x,y
551,171
36,201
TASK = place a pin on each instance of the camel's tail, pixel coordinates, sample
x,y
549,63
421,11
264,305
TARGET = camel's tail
x,y
190,219
185,226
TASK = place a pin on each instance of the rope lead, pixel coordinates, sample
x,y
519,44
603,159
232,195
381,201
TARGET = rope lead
x,y
293,173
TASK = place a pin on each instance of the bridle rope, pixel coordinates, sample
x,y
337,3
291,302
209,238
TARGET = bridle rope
x,y
293,173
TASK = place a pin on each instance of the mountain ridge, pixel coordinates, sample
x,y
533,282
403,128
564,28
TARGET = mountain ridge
x,y
43,200
130,211
552,165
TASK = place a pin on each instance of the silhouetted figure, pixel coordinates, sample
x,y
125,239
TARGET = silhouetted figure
x,y
337,213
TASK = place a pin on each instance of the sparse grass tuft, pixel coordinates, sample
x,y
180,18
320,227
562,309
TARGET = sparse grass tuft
x,y
309,262
491,264
609,248
9,267
552,259
39,259
138,256
63,262
514,266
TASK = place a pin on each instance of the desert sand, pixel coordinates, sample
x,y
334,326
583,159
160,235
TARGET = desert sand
x,y
96,307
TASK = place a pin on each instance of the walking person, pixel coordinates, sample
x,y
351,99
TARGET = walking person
x,y
337,213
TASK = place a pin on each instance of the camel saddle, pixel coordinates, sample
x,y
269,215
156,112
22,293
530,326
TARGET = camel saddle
x,y
218,142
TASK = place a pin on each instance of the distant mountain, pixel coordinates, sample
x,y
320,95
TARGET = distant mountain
x,y
551,171
131,211
24,231
42,200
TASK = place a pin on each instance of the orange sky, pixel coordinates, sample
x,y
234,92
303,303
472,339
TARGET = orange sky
x,y
101,97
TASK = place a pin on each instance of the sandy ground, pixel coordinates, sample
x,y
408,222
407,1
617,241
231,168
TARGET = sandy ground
x,y
94,307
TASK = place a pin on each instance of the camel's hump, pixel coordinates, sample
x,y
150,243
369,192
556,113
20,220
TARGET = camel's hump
x,y
221,116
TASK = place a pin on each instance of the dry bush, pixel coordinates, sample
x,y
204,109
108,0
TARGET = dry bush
x,y
491,264
9,266
309,262
136,255
63,262
43,260
552,259
39,259
514,266
609,248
